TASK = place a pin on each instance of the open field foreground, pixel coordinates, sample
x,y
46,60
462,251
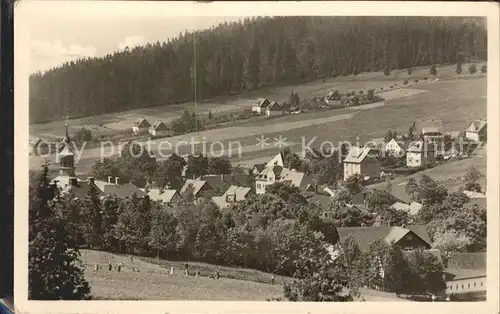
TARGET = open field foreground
x,y
153,282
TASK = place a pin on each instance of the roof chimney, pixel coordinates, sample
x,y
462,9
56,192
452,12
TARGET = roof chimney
x,y
110,179
117,180
91,180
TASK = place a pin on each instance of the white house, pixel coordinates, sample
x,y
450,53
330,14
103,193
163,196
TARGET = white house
x,y
141,126
268,176
394,148
363,161
276,161
420,153
260,106
476,131
431,130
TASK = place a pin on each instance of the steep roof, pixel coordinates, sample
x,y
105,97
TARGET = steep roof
x,y
467,265
358,155
478,125
33,141
274,106
420,146
431,130
159,126
277,170
80,190
365,235
421,124
476,261
262,102
421,232
276,160
259,167
166,196
122,190
240,192
197,186
142,122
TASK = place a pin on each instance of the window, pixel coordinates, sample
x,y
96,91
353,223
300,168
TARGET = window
x,y
474,284
481,283
462,287
451,287
456,287
468,285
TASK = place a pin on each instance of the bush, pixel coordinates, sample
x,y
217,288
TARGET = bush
x,y
361,92
416,81
425,78
433,70
483,69
405,82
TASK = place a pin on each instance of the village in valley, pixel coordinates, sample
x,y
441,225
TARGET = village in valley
x,y
395,211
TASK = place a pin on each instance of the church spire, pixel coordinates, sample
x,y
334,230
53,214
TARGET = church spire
x,y
66,137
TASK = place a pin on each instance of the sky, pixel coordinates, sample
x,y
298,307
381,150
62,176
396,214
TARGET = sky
x,y
58,36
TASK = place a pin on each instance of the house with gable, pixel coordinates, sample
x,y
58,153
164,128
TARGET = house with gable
x,y
395,148
166,197
141,126
430,130
477,131
407,238
260,106
333,98
274,109
199,188
413,208
157,127
363,161
232,195
420,153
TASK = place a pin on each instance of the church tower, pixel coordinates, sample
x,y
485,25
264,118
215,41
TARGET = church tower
x,y
67,157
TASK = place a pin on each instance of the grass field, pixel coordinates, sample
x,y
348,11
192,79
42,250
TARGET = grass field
x,y
153,281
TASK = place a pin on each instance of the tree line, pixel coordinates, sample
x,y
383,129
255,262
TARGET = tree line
x,y
245,55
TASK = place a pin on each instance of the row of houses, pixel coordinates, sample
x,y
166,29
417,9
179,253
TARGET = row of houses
x,y
264,106
142,126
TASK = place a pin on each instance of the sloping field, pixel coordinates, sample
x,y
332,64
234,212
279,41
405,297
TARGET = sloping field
x,y
153,282
112,123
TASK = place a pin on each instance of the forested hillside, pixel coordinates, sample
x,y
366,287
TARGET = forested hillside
x,y
233,57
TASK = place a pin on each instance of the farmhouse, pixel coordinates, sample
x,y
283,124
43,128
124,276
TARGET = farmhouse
x,y
333,98
260,106
35,145
157,127
465,275
363,161
396,149
429,130
199,187
420,153
477,131
274,109
141,126
167,197
233,194
410,238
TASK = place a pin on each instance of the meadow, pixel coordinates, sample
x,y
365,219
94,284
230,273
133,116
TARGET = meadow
x,y
456,101
153,282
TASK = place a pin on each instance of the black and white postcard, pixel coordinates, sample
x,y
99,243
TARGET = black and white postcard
x,y
263,156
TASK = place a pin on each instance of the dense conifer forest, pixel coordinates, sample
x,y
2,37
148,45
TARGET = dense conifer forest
x,y
233,57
